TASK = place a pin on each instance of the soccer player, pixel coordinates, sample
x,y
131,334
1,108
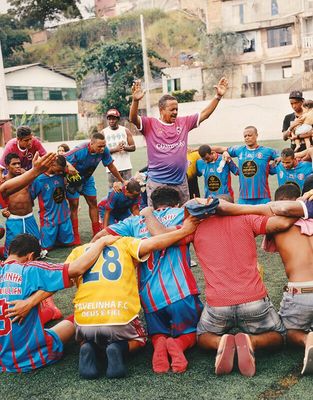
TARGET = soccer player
x,y
167,136
20,206
54,212
290,169
117,206
107,302
28,346
217,178
168,291
120,142
25,145
85,158
253,167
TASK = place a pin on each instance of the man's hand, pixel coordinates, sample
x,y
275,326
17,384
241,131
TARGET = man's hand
x,y
146,211
117,186
70,169
5,213
108,240
42,164
307,195
221,87
19,310
137,91
190,224
226,156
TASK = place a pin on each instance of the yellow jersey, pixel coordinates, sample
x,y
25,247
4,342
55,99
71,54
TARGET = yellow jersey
x,y
192,158
107,293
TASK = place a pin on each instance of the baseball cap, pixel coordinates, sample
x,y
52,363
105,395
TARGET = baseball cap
x,y
113,112
296,94
202,210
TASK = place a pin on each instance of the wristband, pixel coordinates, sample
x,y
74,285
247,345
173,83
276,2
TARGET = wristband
x,y
218,97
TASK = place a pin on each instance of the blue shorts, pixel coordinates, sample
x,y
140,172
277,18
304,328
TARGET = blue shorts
x,y
309,209
253,318
253,201
89,189
178,318
62,233
15,225
297,311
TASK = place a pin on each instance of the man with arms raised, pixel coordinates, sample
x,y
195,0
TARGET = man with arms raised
x,y
167,136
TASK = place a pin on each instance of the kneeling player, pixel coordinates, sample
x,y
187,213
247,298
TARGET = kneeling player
x,y
107,303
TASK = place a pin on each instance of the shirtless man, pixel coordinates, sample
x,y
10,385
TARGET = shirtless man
x,y
19,213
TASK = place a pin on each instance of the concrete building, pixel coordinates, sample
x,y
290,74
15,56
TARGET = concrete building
x,y
44,99
275,43
184,78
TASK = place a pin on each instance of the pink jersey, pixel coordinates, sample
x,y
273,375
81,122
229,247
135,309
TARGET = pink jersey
x,y
26,156
226,249
167,147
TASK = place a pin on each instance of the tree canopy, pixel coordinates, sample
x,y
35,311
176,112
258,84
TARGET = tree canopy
x,y
120,63
12,36
34,13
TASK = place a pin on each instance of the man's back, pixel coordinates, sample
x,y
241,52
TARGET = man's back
x,y
296,251
226,249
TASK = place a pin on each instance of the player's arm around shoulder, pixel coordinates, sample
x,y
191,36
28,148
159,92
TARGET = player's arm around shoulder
x,y
165,240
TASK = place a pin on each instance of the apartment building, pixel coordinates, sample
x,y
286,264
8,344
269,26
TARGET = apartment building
x,y
275,53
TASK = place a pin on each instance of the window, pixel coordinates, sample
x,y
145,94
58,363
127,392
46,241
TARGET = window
x,y
238,14
248,41
55,94
19,94
69,94
38,93
173,85
274,8
278,37
287,71
308,65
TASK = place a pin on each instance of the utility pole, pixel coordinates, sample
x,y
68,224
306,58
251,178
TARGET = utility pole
x,y
4,114
146,68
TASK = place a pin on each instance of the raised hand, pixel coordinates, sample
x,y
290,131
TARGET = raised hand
x,y
221,87
41,164
137,91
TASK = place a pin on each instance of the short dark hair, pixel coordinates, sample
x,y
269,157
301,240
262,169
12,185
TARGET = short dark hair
x,y
164,99
133,186
288,191
165,196
308,104
251,127
97,135
24,244
23,131
204,149
61,161
65,146
308,184
287,152
9,157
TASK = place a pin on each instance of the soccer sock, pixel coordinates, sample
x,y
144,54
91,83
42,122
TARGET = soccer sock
x,y
116,352
176,349
46,307
88,368
160,363
96,227
75,231
45,313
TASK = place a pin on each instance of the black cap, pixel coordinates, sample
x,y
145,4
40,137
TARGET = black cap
x,y
296,94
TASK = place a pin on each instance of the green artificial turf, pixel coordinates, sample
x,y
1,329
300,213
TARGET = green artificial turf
x,y
277,372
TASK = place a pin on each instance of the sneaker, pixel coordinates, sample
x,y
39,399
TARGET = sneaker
x,y
224,360
88,368
246,359
116,367
308,355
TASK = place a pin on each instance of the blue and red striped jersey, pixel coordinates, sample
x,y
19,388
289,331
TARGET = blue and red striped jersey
x,y
118,203
253,170
166,276
216,182
53,206
27,346
86,162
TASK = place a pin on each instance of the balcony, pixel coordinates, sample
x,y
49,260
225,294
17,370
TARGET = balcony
x,y
307,42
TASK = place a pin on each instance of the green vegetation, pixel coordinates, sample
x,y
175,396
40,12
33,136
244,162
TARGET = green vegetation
x,y
184,96
12,36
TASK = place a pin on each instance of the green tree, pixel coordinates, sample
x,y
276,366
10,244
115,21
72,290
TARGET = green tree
x,y
12,36
218,50
120,63
34,13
